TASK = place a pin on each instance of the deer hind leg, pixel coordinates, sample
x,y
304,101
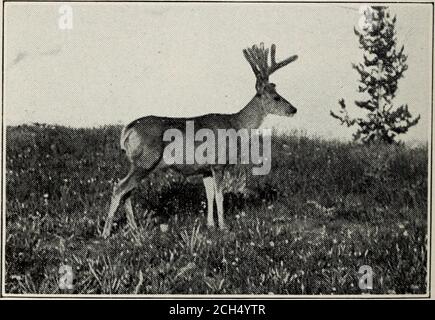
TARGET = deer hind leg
x,y
210,192
123,188
218,184
129,212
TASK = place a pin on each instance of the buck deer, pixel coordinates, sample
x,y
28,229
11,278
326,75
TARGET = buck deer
x,y
142,140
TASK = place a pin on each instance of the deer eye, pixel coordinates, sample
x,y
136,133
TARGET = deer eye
x,y
277,98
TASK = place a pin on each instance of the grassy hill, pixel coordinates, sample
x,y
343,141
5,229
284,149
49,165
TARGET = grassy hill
x,y
325,210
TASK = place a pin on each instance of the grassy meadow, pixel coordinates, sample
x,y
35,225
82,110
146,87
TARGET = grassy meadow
x,y
325,210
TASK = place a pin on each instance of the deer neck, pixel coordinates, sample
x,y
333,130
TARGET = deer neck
x,y
251,116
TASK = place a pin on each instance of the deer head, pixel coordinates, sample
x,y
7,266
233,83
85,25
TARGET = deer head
x,y
271,101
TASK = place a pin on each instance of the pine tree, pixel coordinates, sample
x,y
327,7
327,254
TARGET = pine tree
x,y
380,72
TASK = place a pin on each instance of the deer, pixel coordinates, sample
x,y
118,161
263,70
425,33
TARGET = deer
x,y
142,139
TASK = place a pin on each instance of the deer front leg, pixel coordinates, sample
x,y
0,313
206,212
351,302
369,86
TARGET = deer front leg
x,y
218,184
210,192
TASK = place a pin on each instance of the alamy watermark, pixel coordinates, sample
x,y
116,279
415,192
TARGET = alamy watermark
x,y
367,17
365,281
65,21
219,146
66,277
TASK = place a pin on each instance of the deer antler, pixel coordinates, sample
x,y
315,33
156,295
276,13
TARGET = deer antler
x,y
258,60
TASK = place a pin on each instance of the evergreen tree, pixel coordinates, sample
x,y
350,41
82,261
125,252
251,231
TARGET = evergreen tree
x,y
380,72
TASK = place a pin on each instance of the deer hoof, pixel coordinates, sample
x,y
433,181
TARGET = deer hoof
x,y
223,227
106,233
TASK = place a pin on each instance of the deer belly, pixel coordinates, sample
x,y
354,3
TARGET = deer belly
x,y
192,169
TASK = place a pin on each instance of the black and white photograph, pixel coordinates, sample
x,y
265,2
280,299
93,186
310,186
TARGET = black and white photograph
x,y
216,149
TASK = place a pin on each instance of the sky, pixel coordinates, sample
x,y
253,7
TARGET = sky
x,y
122,61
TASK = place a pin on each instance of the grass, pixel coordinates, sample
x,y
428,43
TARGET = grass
x,y
325,210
